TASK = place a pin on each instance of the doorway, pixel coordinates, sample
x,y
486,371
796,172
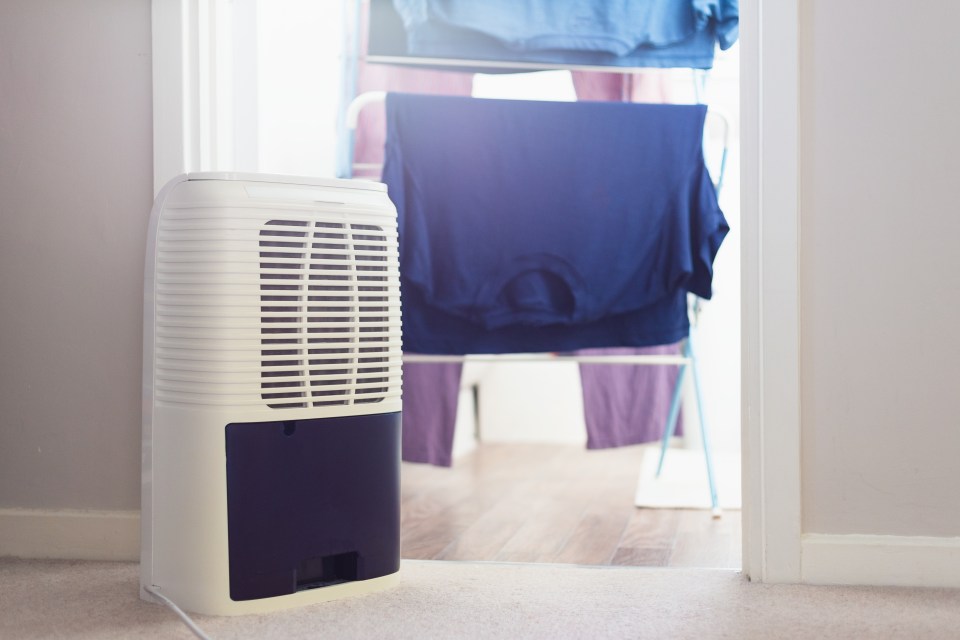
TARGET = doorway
x,y
527,421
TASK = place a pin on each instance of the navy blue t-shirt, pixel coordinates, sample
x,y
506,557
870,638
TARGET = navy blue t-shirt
x,y
548,226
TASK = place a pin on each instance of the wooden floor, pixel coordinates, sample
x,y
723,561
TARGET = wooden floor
x,y
554,503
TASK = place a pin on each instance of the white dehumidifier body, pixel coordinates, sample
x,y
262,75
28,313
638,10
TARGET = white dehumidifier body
x,y
271,392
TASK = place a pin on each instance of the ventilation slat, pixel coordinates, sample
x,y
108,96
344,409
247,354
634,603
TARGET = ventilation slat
x,y
342,325
315,325
187,352
267,385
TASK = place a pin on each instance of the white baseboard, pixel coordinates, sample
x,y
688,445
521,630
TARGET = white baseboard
x,y
914,561
70,534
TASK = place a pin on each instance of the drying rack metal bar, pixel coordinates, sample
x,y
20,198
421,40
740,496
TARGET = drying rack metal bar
x,y
352,119
357,104
652,360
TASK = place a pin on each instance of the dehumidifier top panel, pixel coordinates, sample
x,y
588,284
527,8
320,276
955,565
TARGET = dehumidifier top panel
x,y
276,293
278,180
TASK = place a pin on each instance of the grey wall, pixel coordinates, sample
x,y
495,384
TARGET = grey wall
x,y
880,268
75,193
879,264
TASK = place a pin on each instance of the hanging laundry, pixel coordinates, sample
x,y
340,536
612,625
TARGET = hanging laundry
x,y
539,226
625,405
430,391
621,33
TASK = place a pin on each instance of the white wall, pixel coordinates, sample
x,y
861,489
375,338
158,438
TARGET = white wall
x,y
75,196
298,82
878,264
880,268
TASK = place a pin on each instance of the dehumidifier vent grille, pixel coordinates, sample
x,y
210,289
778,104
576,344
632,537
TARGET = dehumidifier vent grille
x,y
329,313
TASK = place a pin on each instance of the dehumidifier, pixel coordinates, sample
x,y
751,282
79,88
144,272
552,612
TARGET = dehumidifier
x,y
271,392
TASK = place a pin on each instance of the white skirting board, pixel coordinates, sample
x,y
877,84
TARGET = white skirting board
x,y
70,534
910,561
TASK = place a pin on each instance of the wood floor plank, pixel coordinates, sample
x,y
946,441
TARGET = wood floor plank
x,y
651,528
643,557
552,518
485,538
595,538
606,479
456,498
553,503
503,486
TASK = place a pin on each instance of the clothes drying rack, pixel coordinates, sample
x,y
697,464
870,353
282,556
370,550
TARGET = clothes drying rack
x,y
686,360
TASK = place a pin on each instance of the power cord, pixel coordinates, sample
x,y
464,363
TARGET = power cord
x,y
197,631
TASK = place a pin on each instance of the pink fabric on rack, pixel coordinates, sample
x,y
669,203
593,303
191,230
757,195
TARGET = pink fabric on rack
x,y
430,396
625,405
372,126
638,86
605,87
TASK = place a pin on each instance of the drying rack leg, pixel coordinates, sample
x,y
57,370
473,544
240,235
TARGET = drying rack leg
x,y
704,432
671,426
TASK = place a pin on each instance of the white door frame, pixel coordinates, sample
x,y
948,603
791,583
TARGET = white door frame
x,y
769,237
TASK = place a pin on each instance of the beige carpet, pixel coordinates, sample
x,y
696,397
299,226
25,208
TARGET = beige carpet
x,y
57,599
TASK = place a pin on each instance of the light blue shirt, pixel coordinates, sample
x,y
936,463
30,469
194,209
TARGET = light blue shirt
x,y
623,33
